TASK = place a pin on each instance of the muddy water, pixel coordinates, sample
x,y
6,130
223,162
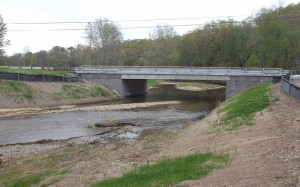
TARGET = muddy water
x,y
59,126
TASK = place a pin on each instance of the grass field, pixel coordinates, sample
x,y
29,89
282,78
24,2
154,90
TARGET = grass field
x,y
34,72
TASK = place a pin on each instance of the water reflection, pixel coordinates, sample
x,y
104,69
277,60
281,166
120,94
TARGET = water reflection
x,y
192,100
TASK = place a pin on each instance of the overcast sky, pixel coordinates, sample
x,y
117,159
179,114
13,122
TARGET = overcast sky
x,y
33,11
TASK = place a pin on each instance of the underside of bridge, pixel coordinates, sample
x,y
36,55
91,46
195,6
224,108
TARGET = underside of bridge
x,y
122,87
130,86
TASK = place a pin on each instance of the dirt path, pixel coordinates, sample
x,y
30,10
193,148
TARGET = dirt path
x,y
264,154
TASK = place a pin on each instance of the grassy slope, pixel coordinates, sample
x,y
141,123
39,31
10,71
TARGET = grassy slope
x,y
240,109
20,92
16,89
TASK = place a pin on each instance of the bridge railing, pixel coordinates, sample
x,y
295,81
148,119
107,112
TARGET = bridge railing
x,y
181,69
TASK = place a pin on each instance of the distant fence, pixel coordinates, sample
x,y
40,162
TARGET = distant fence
x,y
66,69
37,78
28,67
290,88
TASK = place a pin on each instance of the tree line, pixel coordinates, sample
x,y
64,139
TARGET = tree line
x,y
271,38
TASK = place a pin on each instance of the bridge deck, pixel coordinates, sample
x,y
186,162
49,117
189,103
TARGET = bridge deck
x,y
133,72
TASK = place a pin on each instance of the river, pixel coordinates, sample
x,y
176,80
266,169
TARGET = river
x,y
66,125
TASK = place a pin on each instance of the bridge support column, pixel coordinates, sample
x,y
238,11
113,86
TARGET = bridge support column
x,y
237,84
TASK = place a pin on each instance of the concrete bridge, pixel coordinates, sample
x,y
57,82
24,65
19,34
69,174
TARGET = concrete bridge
x,y
132,80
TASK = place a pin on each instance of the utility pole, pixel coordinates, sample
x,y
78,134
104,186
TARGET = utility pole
x,y
90,53
90,47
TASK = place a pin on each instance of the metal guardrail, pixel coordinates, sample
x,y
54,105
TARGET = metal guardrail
x,y
182,70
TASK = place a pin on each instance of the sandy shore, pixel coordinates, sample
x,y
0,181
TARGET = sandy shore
x,y
12,112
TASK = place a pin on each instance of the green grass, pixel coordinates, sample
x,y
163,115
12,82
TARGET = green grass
x,y
78,92
241,108
34,72
37,179
29,180
16,89
97,91
153,83
168,172
14,178
8,175
10,178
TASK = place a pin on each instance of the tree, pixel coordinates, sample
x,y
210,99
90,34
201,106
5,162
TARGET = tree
x,y
27,57
106,37
164,48
279,36
3,32
81,55
58,56
42,58
134,52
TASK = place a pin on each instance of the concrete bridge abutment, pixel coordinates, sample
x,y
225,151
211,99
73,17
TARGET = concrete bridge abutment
x,y
122,87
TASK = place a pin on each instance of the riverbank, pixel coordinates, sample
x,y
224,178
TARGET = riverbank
x,y
13,112
190,86
265,153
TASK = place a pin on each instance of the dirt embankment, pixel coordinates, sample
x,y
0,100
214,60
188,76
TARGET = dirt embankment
x,y
264,154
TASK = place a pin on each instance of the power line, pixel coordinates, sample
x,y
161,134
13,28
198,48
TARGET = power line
x,y
120,21
137,20
122,28
41,30
48,23
138,27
